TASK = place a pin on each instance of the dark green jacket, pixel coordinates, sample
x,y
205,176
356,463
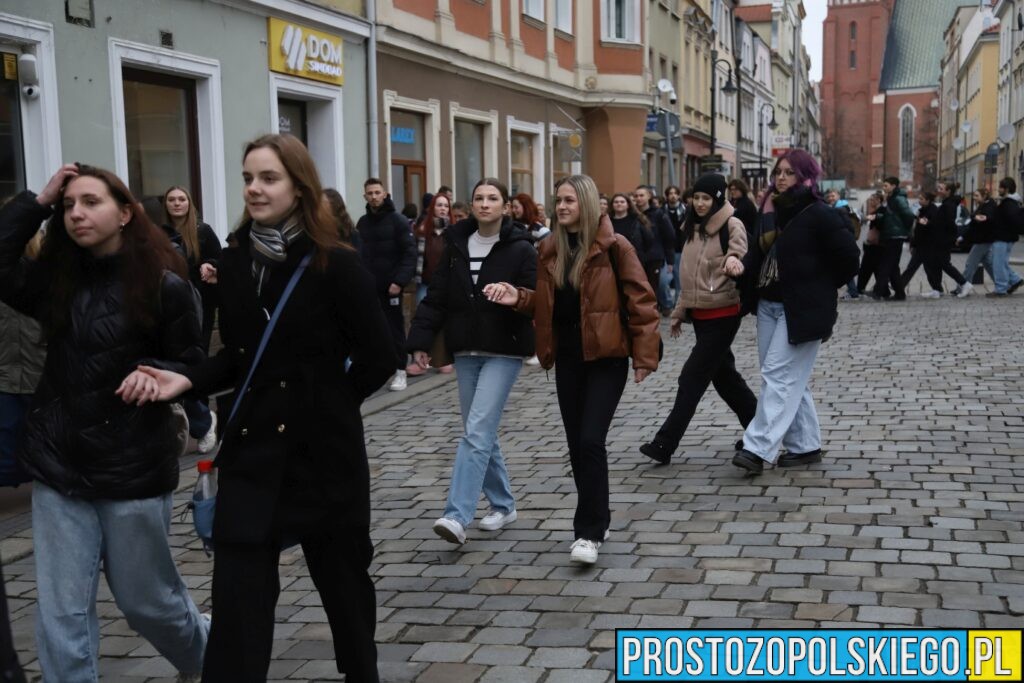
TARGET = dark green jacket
x,y
899,219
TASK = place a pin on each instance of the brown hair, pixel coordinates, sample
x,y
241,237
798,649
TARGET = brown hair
x,y
189,229
316,218
530,213
340,212
146,253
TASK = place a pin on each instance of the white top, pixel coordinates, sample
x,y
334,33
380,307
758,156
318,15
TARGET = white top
x,y
479,248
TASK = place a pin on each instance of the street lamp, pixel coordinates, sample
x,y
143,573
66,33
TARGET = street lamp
x,y
728,89
772,125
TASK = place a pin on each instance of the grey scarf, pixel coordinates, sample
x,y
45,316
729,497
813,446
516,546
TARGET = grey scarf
x,y
269,245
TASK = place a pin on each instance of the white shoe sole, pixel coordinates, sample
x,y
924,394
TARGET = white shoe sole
x,y
495,526
447,534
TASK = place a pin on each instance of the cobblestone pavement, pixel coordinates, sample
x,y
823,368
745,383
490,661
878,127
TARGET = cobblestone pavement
x,y
913,519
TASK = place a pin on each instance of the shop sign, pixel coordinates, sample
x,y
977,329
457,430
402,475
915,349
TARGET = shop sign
x,y
305,52
403,136
10,66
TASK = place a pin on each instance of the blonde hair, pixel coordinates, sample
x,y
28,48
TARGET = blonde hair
x,y
189,228
589,200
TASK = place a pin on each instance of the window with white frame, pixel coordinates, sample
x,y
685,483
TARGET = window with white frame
x,y
906,141
534,9
469,156
563,15
521,159
620,20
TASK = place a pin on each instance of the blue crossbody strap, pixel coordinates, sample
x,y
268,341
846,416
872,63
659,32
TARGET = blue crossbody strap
x,y
269,330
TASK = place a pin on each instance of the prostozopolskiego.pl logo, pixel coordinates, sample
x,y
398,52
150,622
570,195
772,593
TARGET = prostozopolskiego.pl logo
x,y
324,56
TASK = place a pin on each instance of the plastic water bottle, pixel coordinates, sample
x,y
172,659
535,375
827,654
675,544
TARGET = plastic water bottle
x,y
203,503
206,486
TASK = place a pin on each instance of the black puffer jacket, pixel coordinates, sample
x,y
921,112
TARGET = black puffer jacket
x,y
387,247
982,231
1008,217
663,246
630,227
457,305
80,438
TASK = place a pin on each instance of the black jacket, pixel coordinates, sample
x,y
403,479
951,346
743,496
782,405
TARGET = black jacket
x,y
928,236
630,227
663,246
947,229
982,232
1008,219
294,457
209,252
457,305
746,211
80,438
816,255
387,246
676,217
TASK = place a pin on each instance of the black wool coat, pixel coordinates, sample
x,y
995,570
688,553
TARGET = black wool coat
x,y
457,306
630,227
982,232
293,457
816,255
387,246
662,248
209,252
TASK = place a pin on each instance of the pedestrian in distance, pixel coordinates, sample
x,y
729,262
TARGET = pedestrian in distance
x,y
710,301
460,212
803,253
524,212
925,240
1009,223
292,466
675,208
658,261
347,232
895,226
389,253
110,291
488,342
201,247
872,253
631,224
980,234
431,233
852,222
743,206
593,309
943,234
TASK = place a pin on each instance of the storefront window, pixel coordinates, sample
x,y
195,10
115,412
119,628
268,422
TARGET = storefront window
x,y
291,119
469,158
522,163
12,151
561,157
160,127
408,158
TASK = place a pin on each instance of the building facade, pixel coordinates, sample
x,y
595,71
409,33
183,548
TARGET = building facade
x,y
1011,88
757,103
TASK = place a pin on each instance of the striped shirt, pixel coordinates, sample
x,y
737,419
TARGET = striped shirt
x,y
479,248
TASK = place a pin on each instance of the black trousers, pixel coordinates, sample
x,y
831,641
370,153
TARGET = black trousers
x,y
588,394
937,262
710,362
868,266
888,271
396,324
246,585
917,257
653,272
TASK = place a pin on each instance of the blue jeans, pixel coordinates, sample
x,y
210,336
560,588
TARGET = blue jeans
x,y
199,419
73,539
785,409
676,284
980,254
1003,275
664,297
484,386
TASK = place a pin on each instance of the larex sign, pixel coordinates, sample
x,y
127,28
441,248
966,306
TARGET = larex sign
x,y
302,51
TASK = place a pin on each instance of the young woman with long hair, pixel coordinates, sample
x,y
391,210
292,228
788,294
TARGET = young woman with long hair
x,y
347,232
593,309
524,210
710,301
429,234
801,255
630,223
488,342
292,464
110,292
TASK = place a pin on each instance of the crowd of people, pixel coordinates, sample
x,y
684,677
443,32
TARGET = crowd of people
x,y
115,309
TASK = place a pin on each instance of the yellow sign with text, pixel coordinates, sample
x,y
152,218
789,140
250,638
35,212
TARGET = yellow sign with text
x,y
305,52
995,655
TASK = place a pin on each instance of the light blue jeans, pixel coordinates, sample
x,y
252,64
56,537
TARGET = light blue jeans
x,y
664,282
73,539
980,254
484,385
676,283
785,409
1003,276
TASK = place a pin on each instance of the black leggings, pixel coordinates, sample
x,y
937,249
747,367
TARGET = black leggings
x,y
888,270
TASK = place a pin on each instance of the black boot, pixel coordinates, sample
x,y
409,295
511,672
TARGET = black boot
x,y
794,459
657,452
746,460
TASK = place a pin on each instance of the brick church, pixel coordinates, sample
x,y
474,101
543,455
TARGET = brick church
x,y
880,89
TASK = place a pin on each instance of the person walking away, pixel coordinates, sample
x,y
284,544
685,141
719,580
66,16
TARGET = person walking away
x,y
944,235
802,255
925,240
675,208
389,252
109,290
201,247
980,235
292,466
1009,223
709,301
658,261
489,343
896,223
593,309
743,206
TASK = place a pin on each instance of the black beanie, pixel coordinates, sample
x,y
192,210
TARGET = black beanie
x,y
714,185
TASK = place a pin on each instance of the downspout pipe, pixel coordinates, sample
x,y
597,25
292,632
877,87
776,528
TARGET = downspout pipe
x,y
372,113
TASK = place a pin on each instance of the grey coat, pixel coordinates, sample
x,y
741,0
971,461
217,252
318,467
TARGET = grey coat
x,y
22,352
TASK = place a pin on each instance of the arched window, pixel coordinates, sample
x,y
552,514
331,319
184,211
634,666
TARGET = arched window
x,y
853,30
907,116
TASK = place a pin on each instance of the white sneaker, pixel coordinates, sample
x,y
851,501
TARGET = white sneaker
x,y
496,519
933,294
533,360
399,383
584,551
209,439
965,289
450,530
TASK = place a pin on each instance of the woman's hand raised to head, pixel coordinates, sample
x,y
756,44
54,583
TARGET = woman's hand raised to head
x,y
148,384
49,194
502,293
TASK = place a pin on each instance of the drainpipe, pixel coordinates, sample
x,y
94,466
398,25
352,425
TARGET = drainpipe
x,y
371,86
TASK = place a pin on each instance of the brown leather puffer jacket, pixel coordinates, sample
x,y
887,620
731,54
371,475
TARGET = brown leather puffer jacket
x,y
604,335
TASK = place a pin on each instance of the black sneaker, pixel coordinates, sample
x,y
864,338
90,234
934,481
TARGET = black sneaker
x,y
739,445
795,459
748,461
657,452
1014,287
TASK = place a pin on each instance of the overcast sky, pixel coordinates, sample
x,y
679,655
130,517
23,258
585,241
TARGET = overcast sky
x,y
816,10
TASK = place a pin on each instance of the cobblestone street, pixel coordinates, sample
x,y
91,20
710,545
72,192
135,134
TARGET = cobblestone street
x,y
915,517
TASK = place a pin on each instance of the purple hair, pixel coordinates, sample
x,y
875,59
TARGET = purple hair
x,y
807,170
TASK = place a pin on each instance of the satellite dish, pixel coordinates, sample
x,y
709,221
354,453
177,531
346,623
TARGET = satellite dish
x,y
965,126
1005,133
665,85
954,104
958,144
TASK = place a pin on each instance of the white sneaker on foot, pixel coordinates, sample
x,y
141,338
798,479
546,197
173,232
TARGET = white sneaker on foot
x,y
399,383
584,551
496,519
965,289
931,294
450,530
533,360
209,439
